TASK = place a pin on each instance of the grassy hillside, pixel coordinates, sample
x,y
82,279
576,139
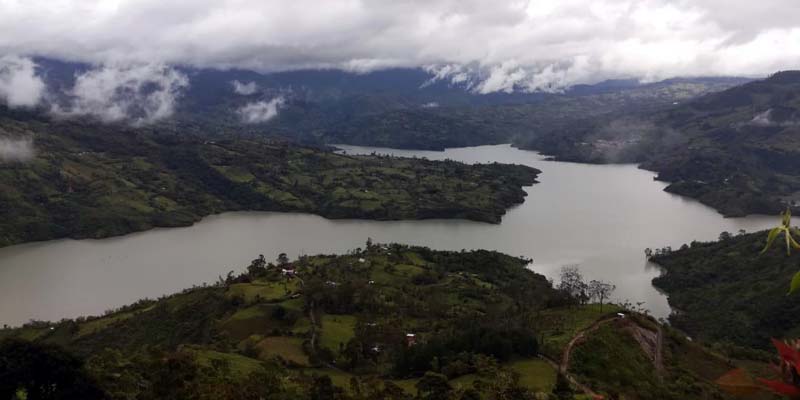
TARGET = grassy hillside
x,y
93,180
617,364
342,317
340,326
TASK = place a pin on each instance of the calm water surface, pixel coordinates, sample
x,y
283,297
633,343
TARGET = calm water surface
x,y
599,217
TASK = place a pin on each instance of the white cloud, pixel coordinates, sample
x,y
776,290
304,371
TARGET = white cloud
x,y
504,44
261,111
244,89
19,84
139,94
16,150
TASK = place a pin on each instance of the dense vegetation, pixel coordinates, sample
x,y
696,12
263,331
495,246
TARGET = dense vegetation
x,y
92,180
729,292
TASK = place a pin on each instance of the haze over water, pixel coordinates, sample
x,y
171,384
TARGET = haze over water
x,y
600,217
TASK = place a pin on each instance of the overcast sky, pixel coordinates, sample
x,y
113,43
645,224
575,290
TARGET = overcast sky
x,y
528,44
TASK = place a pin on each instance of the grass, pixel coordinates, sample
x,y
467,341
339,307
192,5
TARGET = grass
x,y
338,377
99,324
302,326
341,379
255,319
288,348
238,364
408,385
337,329
293,304
265,291
567,322
610,359
464,381
535,374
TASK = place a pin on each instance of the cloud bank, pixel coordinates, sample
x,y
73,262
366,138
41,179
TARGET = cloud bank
x,y
244,89
138,94
19,84
16,150
261,111
508,44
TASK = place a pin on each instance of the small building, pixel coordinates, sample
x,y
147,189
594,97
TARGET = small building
x,y
289,271
411,339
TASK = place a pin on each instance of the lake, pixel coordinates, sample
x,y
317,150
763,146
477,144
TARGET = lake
x,y
599,217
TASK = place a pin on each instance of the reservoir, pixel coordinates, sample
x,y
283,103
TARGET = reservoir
x,y
598,217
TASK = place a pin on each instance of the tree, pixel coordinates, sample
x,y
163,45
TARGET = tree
x,y
43,371
725,235
322,388
433,386
601,291
572,283
563,389
283,259
369,244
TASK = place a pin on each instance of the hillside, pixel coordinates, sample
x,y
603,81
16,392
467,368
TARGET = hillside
x,y
728,292
92,180
741,147
734,150
483,326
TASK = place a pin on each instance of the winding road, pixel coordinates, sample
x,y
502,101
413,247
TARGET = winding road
x,y
563,366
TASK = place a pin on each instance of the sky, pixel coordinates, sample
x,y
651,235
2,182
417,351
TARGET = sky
x,y
491,45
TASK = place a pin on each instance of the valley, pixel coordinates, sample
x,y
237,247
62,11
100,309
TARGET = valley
x,y
379,200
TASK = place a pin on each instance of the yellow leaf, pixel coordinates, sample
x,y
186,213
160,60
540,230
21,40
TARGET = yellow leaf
x,y
795,283
773,233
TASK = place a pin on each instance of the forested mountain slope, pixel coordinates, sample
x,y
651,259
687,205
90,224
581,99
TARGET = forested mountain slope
x,y
729,292
735,150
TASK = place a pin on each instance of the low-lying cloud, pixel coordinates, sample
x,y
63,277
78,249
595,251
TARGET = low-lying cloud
x,y
505,44
261,111
16,150
20,86
139,94
784,117
244,89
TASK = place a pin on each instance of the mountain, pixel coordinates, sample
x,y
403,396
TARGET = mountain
x,y
406,108
735,150
740,147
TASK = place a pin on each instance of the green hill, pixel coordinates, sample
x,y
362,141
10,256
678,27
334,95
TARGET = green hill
x,y
483,326
94,180
728,292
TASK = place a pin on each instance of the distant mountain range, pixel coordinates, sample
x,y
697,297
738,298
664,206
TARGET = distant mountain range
x,y
729,142
405,108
